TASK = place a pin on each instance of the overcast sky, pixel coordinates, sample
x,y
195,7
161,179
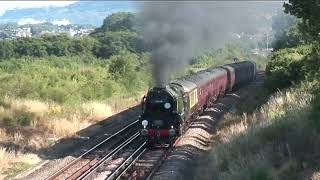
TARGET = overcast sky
x,y
8,5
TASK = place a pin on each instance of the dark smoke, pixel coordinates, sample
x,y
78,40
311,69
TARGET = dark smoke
x,y
178,31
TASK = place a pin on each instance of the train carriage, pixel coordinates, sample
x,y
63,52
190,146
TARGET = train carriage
x,y
245,71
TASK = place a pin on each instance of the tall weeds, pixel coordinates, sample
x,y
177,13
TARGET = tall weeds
x,y
275,142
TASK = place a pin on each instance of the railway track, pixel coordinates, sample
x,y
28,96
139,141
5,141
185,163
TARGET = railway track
x,y
120,163
145,166
125,165
104,151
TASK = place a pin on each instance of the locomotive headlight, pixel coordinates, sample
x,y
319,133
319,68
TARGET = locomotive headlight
x,y
144,123
167,105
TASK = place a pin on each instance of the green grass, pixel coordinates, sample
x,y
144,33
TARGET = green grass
x,y
18,168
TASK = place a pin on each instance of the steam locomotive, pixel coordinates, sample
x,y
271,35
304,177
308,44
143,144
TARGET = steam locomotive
x,y
167,111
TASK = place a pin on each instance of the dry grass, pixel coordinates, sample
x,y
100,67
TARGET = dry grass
x,y
97,110
60,120
119,103
55,120
277,108
267,144
315,176
63,127
31,124
11,158
37,107
3,134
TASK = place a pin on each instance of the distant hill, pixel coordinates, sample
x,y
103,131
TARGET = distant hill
x,y
83,12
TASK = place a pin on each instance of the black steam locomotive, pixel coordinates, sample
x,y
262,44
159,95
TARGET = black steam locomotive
x,y
168,110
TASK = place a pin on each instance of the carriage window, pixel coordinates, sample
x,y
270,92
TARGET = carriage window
x,y
193,98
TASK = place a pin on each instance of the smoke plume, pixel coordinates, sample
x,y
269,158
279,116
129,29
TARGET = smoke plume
x,y
178,31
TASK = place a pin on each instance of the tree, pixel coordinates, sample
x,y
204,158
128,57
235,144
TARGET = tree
x,y
113,42
123,64
287,30
57,45
308,11
118,33
6,49
120,21
125,68
82,46
29,47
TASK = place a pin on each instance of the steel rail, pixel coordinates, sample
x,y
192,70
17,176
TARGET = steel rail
x,y
66,167
136,154
108,157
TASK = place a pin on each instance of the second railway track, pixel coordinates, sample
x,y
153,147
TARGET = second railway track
x,y
122,160
80,167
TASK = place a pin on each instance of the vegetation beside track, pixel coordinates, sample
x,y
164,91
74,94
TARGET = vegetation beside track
x,y
276,141
280,138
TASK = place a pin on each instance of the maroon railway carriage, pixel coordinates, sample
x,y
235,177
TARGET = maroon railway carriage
x,y
167,111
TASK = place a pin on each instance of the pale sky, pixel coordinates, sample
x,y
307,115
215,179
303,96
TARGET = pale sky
x,y
8,5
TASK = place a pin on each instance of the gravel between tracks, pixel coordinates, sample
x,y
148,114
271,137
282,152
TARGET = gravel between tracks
x,y
68,149
179,164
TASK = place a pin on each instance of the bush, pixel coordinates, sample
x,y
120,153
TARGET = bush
x,y
74,79
18,117
286,66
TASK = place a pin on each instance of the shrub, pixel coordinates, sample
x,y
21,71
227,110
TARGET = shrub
x,y
286,66
17,117
74,80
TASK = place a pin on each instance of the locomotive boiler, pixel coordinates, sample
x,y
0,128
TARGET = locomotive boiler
x,y
167,111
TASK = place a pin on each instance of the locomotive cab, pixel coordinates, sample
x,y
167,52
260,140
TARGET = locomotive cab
x,y
159,117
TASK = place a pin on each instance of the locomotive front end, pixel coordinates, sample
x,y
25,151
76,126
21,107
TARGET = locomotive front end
x,y
159,118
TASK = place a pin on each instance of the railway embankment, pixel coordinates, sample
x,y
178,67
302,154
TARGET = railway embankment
x,y
279,140
180,163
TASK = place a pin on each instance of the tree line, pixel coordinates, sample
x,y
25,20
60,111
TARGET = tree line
x,y
117,33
